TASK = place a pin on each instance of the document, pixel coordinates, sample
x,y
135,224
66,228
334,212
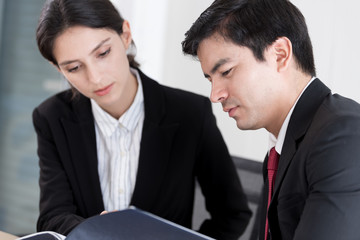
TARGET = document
x,y
45,235
128,224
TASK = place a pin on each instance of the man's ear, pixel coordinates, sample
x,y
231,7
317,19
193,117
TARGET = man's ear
x,y
283,51
126,34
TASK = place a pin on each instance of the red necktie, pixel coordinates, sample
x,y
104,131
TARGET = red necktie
x,y
272,167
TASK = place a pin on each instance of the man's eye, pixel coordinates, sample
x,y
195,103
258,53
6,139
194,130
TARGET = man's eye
x,y
105,53
226,72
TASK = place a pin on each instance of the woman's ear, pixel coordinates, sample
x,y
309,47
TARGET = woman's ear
x,y
283,51
126,34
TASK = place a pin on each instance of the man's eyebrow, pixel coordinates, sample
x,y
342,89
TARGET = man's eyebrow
x,y
92,51
218,64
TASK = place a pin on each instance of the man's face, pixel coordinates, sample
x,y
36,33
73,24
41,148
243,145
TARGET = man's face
x,y
248,89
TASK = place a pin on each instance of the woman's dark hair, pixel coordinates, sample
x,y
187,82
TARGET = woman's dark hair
x,y
255,24
59,15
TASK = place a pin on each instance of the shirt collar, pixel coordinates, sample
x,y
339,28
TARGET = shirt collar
x,y
108,124
279,142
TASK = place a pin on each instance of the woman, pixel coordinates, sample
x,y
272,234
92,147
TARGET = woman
x,y
119,138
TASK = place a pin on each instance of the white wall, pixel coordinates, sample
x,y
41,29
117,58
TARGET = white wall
x,y
159,28
334,28
148,24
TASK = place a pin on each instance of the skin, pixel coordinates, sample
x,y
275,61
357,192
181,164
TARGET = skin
x,y
94,61
257,94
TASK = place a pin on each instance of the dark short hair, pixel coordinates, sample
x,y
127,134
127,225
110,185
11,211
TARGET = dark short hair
x,y
255,24
59,15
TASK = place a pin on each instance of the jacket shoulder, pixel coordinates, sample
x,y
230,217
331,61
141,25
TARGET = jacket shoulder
x,y
53,103
62,104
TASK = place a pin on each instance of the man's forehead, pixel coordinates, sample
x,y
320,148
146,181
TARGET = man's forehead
x,y
216,49
216,37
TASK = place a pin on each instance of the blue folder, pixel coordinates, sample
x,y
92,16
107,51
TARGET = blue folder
x,y
131,224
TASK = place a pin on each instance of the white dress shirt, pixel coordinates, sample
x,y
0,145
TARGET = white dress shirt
x,y
279,142
118,147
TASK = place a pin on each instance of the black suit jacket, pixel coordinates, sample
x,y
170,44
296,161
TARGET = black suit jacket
x,y
317,186
180,142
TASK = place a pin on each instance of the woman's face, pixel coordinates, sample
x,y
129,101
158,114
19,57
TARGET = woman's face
x,y
94,61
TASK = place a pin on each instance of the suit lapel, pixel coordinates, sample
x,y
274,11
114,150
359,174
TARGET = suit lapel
x,y
155,148
300,121
80,134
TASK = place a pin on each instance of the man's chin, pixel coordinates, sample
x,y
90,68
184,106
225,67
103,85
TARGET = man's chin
x,y
240,125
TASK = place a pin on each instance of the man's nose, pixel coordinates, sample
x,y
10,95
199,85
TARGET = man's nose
x,y
218,92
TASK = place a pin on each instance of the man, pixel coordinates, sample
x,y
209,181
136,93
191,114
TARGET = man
x,y
258,57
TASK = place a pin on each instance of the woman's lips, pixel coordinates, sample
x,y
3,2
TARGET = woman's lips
x,y
104,91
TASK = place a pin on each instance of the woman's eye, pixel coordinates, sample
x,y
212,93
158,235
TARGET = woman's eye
x,y
226,72
74,69
103,54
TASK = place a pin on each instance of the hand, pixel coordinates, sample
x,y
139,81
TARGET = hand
x,y
106,212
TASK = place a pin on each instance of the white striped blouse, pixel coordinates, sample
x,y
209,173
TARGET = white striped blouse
x,y
118,147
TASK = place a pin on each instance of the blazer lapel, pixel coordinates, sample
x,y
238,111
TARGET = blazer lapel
x,y
80,134
300,121
155,148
